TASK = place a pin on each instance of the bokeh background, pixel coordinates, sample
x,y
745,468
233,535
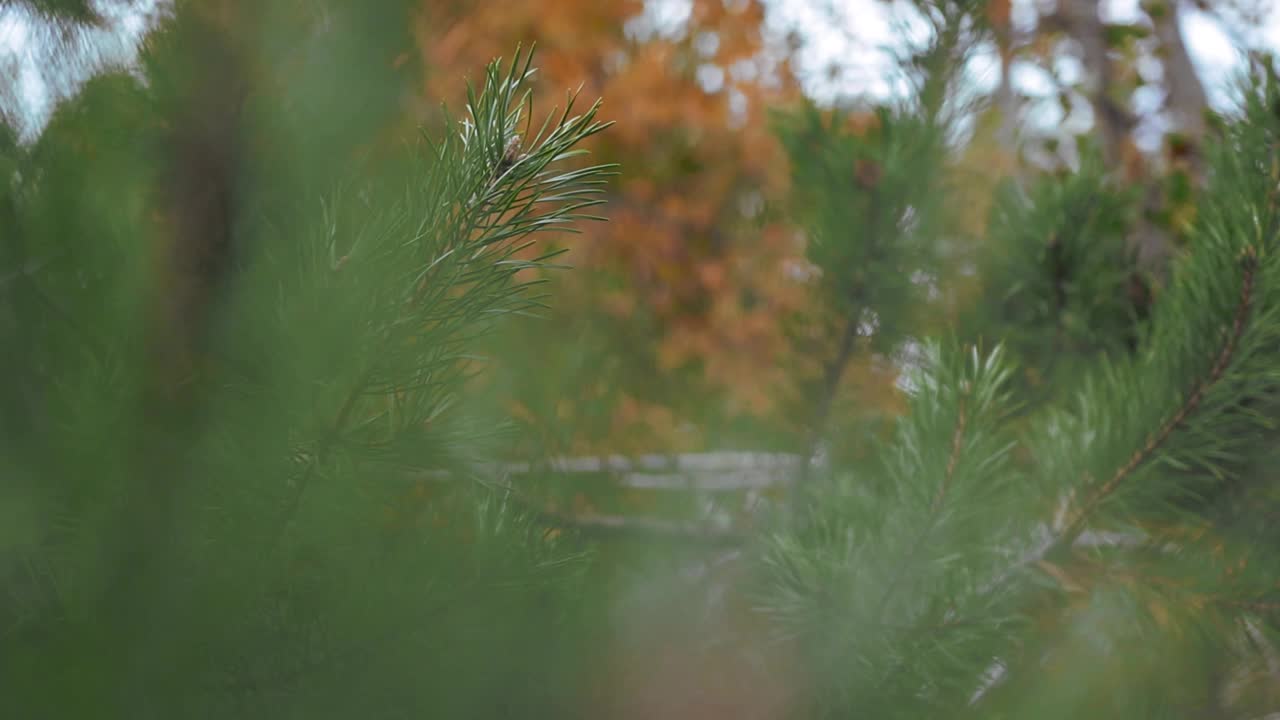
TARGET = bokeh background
x,y
694,321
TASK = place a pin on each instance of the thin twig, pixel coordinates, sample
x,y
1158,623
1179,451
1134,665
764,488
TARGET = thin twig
x,y
325,445
957,442
1249,262
830,384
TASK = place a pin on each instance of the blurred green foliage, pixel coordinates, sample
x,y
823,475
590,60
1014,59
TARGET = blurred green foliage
x,y
236,346
248,470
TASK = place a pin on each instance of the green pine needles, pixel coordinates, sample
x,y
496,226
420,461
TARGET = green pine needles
x,y
1082,559
866,586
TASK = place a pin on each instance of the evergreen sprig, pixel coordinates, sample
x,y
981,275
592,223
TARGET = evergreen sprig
x,y
866,588
418,278
1196,402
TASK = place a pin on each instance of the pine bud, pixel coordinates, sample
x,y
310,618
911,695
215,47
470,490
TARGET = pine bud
x,y
510,154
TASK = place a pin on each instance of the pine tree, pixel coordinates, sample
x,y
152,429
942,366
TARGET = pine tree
x,y
230,364
1095,549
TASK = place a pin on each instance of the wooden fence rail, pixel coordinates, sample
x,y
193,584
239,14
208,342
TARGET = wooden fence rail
x,y
709,476
711,471
702,474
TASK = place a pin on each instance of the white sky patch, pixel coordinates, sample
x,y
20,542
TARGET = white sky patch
x,y
14,31
1215,56
665,18
26,52
17,58
847,46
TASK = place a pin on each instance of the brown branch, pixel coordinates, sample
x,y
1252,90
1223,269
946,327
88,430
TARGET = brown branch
x,y
1249,265
835,371
830,384
957,439
1139,579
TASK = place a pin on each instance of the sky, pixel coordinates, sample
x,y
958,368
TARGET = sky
x,y
853,35
25,48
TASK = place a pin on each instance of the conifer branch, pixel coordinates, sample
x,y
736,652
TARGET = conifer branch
x,y
956,438
1073,528
953,458
1248,265
830,384
835,371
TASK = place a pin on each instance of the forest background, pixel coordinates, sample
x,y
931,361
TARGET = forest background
x,y
694,319
679,334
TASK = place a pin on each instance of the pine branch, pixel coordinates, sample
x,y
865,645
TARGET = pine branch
x,y
326,444
832,376
1237,225
835,371
956,438
886,557
1060,541
1248,268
